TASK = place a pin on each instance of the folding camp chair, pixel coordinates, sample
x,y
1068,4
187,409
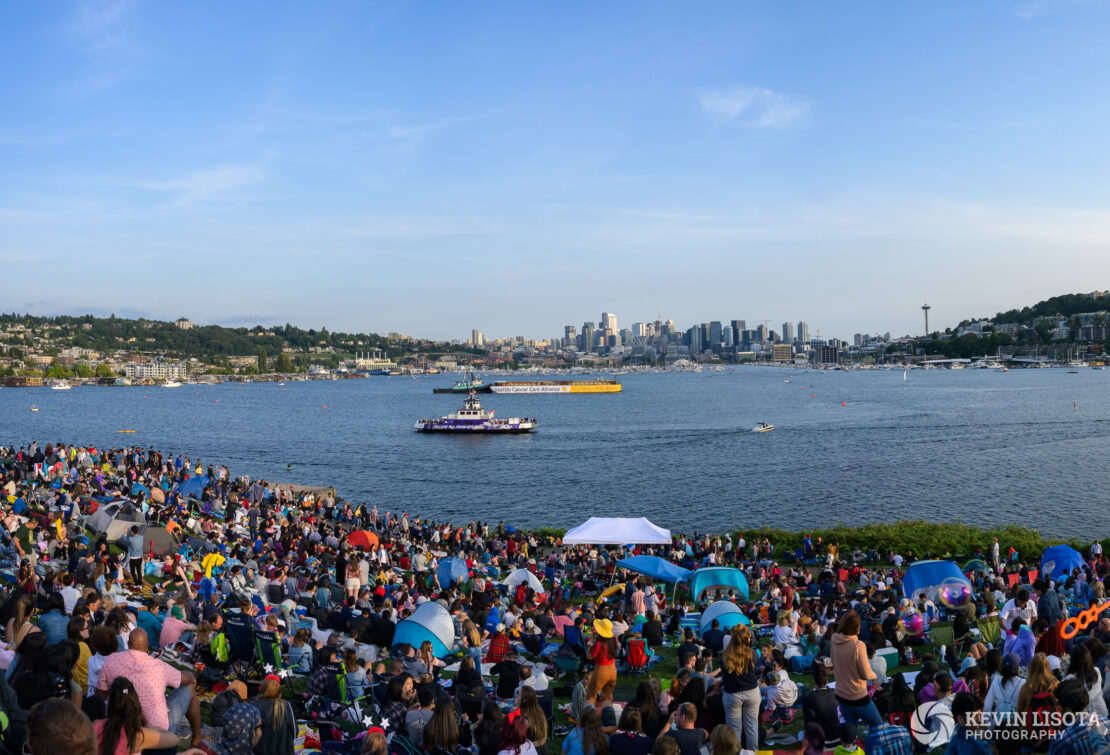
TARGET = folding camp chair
x,y
268,651
240,643
943,636
990,630
338,698
637,659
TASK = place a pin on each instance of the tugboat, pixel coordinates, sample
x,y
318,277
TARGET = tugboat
x,y
470,385
472,418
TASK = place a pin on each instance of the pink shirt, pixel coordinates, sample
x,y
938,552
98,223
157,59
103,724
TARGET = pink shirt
x,y
172,629
150,677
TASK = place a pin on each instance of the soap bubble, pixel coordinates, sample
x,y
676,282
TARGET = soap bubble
x,y
955,593
913,624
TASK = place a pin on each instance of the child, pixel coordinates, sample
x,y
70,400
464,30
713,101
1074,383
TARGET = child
x,y
848,744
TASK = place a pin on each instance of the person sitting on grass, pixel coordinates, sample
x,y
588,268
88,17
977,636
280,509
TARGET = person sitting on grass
x,y
1081,738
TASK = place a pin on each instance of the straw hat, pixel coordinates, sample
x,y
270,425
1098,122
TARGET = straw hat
x,y
604,628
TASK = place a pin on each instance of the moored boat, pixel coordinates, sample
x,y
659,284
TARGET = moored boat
x,y
556,386
470,385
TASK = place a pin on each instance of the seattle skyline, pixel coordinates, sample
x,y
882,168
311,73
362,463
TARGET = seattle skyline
x,y
429,169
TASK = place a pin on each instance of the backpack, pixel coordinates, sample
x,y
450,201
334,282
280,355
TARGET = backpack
x,y
222,703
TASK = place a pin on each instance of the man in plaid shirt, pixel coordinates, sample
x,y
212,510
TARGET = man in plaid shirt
x,y
498,645
888,739
1080,738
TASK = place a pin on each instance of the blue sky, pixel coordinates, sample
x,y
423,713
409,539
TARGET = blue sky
x,y
513,167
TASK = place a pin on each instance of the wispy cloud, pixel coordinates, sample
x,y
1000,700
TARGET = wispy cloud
x,y
101,22
1030,10
210,183
756,107
423,226
420,130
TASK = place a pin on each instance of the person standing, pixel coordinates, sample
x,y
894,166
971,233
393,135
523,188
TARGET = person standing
x,y
853,672
740,687
135,555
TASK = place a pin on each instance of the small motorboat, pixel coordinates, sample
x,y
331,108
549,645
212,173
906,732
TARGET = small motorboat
x,y
34,408
125,431
763,427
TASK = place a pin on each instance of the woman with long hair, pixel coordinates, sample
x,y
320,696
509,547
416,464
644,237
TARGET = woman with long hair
x,y
587,738
1082,667
427,655
629,738
514,735
668,700
124,730
441,733
853,672
1038,681
537,721
603,653
279,727
472,640
487,731
20,622
740,686
647,702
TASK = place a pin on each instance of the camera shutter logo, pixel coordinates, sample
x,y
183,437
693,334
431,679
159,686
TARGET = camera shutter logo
x,y
932,724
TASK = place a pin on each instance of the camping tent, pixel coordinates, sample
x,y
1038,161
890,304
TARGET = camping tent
x,y
430,621
656,568
114,520
718,576
927,577
977,565
138,487
450,570
523,575
727,614
194,487
1059,560
157,538
617,531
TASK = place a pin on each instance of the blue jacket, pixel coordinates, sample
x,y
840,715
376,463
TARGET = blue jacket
x,y
55,625
152,625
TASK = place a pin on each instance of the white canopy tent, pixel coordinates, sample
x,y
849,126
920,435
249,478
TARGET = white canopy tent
x,y
617,531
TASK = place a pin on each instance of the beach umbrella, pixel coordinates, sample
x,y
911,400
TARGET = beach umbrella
x,y
431,622
451,570
362,539
523,575
727,614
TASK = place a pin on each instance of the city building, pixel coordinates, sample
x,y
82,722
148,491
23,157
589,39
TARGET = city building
x,y
803,332
477,339
157,370
782,352
608,322
826,355
183,323
788,332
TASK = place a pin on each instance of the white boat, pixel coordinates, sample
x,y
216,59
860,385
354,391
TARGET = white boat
x,y
34,408
171,384
763,427
61,387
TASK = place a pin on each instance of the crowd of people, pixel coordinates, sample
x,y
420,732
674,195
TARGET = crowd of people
x,y
273,607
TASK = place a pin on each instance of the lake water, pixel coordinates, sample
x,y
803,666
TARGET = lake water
x,y
972,445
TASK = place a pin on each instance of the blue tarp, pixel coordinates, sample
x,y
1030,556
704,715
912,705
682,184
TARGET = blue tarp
x,y
927,576
656,568
1059,560
450,570
718,576
194,486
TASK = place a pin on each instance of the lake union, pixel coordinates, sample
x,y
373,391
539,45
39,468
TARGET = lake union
x,y
1026,446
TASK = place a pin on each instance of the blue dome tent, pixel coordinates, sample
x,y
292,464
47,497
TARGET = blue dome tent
x,y
727,614
431,622
656,568
194,487
927,577
1059,560
138,487
718,576
450,570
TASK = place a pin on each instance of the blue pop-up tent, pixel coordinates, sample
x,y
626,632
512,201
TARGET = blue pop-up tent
x,y
431,622
656,568
927,577
138,487
727,614
1059,560
194,486
718,576
450,570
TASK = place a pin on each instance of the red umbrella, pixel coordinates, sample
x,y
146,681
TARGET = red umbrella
x,y
362,539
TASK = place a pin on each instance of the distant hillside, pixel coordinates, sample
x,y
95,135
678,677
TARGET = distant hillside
x,y
203,341
1065,305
